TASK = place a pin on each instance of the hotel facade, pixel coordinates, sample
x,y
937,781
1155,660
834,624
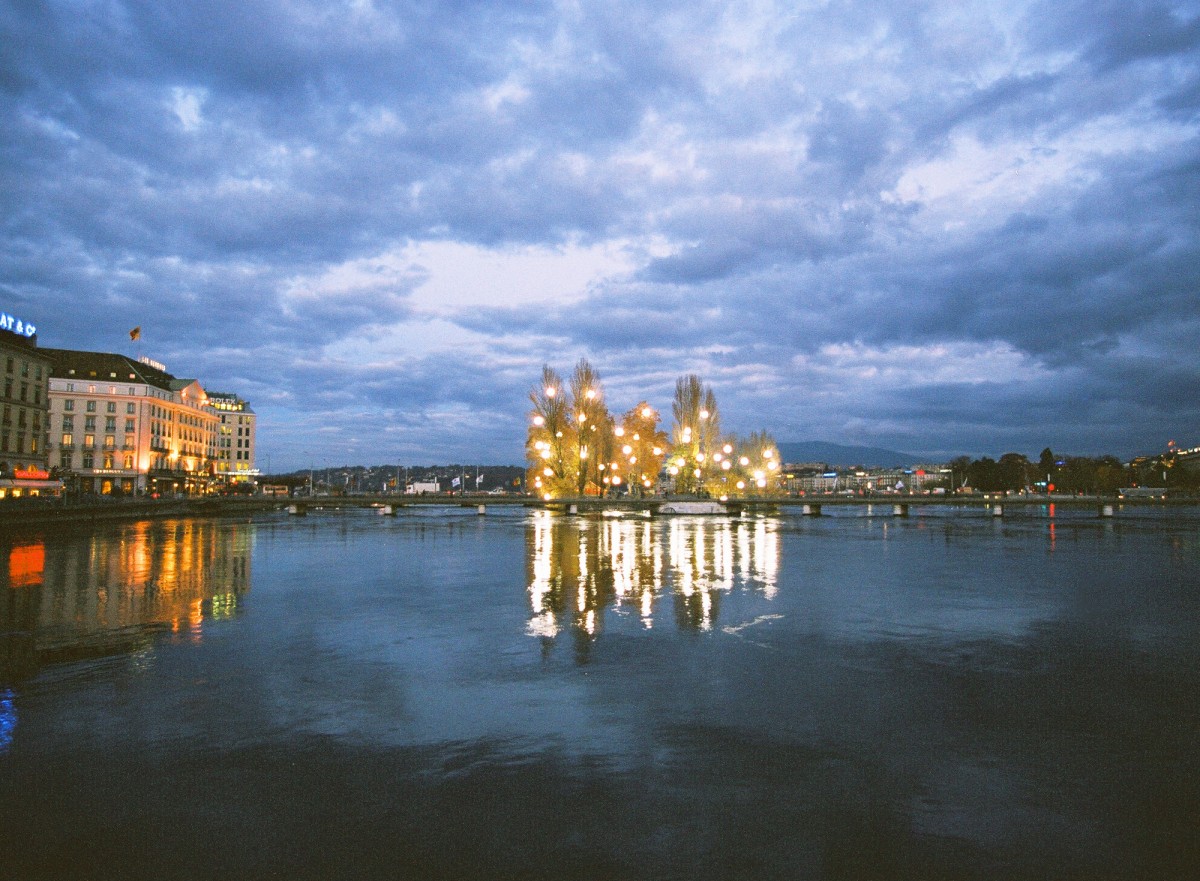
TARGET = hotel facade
x,y
123,426
24,376
236,435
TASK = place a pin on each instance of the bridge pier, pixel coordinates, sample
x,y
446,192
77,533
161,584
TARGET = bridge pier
x,y
811,510
899,510
482,509
997,510
1107,510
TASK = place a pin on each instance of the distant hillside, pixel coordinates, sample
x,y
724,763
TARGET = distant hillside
x,y
837,454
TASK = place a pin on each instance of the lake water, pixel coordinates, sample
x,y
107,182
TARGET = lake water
x,y
530,695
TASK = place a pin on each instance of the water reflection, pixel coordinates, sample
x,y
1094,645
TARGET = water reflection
x,y
109,592
579,568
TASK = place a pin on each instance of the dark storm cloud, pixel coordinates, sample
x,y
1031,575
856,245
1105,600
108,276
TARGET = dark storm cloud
x,y
933,225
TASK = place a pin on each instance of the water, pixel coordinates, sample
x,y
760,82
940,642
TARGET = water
x,y
526,695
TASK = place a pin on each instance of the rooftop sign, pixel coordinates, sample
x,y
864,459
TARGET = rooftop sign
x,y
16,325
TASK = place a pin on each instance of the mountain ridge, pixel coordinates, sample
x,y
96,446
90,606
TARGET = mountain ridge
x,y
842,454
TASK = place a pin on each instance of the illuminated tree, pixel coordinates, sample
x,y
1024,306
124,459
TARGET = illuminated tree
x,y
696,434
592,424
759,460
551,438
640,447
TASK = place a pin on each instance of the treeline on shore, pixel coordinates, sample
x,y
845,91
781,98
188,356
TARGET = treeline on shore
x,y
1099,475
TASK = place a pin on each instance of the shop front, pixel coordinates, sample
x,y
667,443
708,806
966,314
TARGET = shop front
x,y
28,483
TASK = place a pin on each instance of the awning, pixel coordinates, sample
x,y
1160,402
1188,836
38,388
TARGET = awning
x,y
9,483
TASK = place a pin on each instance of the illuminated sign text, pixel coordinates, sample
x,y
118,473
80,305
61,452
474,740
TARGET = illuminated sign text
x,y
16,325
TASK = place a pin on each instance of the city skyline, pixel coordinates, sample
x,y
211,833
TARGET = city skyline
x,y
940,228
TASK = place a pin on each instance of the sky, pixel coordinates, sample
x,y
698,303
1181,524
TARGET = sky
x,y
939,227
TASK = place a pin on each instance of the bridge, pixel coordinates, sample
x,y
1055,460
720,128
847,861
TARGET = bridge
x,y
997,505
19,512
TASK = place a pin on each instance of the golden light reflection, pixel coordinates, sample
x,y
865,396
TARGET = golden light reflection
x,y
109,593
26,563
585,574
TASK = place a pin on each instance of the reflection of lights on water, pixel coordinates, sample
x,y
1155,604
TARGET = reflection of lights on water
x,y
223,606
543,622
196,620
543,625
581,568
8,718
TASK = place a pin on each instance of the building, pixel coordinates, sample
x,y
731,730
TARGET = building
x,y
24,407
235,440
122,426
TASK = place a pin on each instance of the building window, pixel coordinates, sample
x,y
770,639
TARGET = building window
x,y
110,442
89,461
68,423
111,406
68,440
108,460
89,423
110,423
69,404
131,408
89,440
91,406
128,426
129,463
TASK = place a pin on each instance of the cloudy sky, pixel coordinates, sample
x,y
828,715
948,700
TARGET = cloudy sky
x,y
939,227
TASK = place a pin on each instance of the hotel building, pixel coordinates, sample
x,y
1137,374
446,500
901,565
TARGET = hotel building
x,y
235,441
121,425
24,377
